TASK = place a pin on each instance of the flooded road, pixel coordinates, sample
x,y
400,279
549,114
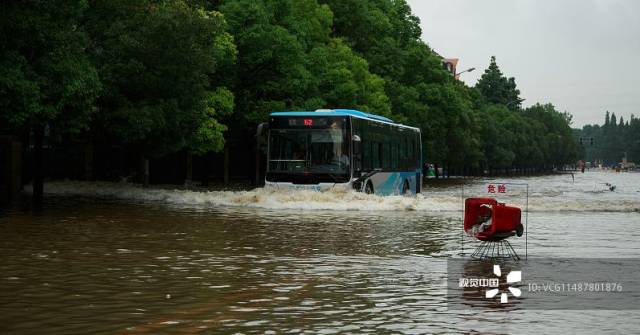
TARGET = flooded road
x,y
110,258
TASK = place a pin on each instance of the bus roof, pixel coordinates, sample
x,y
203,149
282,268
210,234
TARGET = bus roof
x,y
342,112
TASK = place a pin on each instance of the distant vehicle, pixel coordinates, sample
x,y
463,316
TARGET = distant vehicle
x,y
343,148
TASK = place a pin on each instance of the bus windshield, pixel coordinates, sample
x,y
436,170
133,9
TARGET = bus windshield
x,y
306,151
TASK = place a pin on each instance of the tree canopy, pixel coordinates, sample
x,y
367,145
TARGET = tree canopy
x,y
288,60
610,142
159,64
171,75
46,76
497,88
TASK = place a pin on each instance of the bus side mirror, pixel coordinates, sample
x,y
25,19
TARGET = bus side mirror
x,y
357,153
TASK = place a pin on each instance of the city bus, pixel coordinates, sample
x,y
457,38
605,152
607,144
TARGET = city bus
x,y
344,148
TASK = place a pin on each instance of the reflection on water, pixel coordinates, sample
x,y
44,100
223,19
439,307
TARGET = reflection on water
x,y
117,259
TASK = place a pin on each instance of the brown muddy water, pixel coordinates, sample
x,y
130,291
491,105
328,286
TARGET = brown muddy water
x,y
113,258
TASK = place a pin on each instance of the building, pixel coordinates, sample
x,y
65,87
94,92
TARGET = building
x,y
451,65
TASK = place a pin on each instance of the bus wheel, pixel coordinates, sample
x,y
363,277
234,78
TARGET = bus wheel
x,y
368,189
405,188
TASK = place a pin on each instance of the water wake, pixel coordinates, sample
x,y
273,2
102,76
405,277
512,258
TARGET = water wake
x,y
447,200
258,198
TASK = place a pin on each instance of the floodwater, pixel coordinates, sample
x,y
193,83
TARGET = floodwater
x,y
112,258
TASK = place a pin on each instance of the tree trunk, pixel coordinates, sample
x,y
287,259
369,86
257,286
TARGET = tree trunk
x,y
144,171
226,164
38,174
188,169
88,161
207,164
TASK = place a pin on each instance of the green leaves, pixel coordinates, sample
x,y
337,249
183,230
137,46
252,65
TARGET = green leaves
x,y
46,76
608,143
344,80
209,136
537,137
160,63
498,89
170,75
288,60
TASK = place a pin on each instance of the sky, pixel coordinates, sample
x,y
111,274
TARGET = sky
x,y
580,55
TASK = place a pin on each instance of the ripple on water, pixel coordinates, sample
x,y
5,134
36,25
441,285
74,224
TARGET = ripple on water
x,y
170,261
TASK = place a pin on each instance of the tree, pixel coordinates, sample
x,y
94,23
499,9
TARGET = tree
x,y
344,79
497,137
557,140
611,141
196,75
288,60
271,74
159,63
421,93
498,89
46,78
633,139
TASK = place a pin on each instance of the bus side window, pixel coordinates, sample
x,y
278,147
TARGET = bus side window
x,y
394,155
412,157
385,155
409,153
416,153
403,153
407,158
375,155
366,154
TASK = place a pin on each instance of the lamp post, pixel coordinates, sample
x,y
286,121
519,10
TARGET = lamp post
x,y
467,70
514,102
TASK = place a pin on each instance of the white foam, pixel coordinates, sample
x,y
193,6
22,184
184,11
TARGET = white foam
x,y
547,194
335,199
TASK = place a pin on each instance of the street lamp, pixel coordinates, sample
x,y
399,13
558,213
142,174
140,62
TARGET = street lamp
x,y
467,70
514,102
